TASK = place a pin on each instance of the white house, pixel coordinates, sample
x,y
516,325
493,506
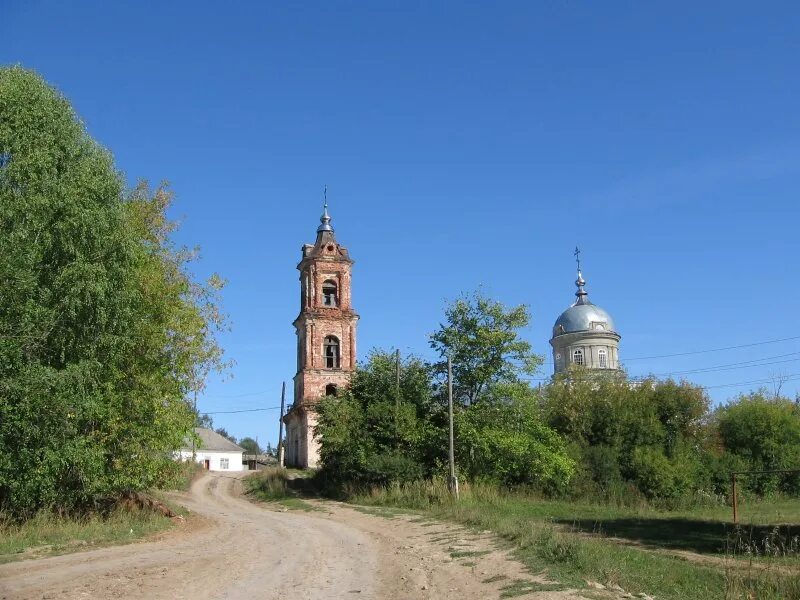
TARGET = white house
x,y
214,452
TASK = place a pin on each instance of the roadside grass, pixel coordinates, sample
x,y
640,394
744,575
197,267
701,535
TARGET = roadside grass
x,y
184,478
521,587
567,540
273,485
47,534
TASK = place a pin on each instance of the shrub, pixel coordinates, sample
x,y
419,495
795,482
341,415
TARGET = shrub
x,y
764,433
393,467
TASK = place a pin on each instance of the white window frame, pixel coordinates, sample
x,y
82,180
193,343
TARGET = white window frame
x,y
578,357
225,463
602,358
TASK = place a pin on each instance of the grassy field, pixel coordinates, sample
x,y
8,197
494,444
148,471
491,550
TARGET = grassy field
x,y
681,555
48,534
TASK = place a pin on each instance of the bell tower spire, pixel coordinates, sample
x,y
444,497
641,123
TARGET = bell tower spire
x,y
325,219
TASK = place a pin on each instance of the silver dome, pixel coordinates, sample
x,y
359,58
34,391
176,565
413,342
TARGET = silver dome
x,y
583,316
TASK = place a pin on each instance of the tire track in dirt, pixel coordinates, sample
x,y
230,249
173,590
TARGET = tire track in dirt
x,y
245,552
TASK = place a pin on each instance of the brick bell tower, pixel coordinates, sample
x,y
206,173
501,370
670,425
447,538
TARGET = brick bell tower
x,y
326,339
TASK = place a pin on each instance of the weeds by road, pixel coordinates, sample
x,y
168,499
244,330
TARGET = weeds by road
x,y
567,541
272,485
47,534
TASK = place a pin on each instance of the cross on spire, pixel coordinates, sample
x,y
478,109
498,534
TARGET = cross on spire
x,y
325,219
579,282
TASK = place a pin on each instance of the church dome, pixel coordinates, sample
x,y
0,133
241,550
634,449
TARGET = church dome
x,y
583,315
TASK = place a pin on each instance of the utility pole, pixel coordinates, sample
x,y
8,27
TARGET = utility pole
x,y
194,408
397,395
453,483
280,427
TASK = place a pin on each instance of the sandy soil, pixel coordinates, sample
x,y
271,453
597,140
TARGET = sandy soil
x,y
233,548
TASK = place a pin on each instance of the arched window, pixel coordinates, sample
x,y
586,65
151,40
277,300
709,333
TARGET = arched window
x,y
330,389
602,357
331,352
577,356
329,293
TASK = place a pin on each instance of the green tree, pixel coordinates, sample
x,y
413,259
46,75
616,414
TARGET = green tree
x,y
652,434
482,338
368,435
224,433
103,330
765,433
503,439
250,446
205,420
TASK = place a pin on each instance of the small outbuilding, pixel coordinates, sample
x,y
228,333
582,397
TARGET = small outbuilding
x,y
214,451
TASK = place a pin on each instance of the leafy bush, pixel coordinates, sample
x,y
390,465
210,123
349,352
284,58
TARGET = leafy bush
x,y
369,435
502,438
629,440
764,434
658,477
394,467
602,464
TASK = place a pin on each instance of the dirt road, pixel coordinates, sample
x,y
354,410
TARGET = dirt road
x,y
236,549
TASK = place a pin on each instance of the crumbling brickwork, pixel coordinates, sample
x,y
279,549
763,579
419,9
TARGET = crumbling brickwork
x,y
326,339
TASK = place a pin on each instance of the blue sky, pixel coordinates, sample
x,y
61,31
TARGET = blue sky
x,y
463,145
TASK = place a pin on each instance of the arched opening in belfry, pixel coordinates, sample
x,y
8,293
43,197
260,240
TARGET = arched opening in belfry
x,y
330,295
330,389
331,352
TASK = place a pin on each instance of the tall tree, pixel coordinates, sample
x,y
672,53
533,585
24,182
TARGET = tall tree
x,y
369,435
103,329
205,420
224,433
481,336
250,446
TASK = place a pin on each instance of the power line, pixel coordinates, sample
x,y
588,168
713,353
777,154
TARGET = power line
x,y
241,395
756,362
247,410
689,353
706,351
789,377
796,337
